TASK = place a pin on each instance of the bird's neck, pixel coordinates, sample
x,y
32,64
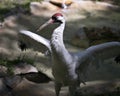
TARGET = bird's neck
x,y
57,36
57,43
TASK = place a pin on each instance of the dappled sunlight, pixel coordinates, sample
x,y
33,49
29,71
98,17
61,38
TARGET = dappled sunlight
x,y
27,88
100,82
94,88
89,14
76,17
10,21
101,87
100,23
8,44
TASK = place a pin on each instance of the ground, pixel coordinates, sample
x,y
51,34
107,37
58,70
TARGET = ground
x,y
96,20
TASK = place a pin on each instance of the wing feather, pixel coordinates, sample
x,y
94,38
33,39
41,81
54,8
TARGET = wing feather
x,y
36,37
96,54
105,50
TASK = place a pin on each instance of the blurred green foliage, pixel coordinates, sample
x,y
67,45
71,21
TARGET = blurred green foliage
x,y
10,63
6,62
11,3
7,5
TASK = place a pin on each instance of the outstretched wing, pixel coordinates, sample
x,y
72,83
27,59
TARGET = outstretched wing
x,y
97,54
37,38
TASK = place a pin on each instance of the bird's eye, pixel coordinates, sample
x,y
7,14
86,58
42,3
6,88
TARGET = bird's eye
x,y
54,18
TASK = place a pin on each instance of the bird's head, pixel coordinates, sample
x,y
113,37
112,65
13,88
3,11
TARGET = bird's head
x,y
56,18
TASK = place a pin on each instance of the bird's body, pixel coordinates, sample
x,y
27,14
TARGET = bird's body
x,y
66,67
63,67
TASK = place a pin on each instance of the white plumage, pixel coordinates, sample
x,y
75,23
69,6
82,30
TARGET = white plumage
x,y
67,67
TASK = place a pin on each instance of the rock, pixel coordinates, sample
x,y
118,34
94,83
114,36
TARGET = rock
x,y
61,1
38,8
93,88
8,40
12,81
10,22
3,71
85,37
90,5
37,77
7,84
27,88
80,38
101,35
15,11
2,87
101,88
23,68
1,25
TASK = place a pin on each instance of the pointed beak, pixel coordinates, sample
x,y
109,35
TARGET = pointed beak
x,y
45,24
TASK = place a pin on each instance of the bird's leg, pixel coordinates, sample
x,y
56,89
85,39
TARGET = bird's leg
x,y
57,88
72,90
80,80
73,87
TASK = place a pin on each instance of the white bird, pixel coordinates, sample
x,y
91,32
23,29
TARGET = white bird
x,y
62,5
67,68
